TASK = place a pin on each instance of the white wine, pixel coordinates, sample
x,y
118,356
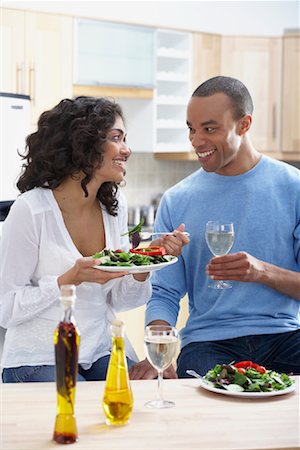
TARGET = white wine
x,y
219,242
160,350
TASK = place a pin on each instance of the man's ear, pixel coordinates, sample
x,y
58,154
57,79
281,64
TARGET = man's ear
x,y
244,124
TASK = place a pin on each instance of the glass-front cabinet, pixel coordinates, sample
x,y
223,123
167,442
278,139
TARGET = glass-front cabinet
x,y
113,54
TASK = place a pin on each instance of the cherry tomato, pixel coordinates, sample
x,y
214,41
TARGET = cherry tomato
x,y
150,251
241,370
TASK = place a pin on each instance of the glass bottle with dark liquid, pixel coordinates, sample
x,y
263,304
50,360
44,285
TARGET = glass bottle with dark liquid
x,y
66,342
118,399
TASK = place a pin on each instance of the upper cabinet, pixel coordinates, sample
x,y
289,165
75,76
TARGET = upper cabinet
x,y
290,141
113,54
36,53
257,62
206,57
173,88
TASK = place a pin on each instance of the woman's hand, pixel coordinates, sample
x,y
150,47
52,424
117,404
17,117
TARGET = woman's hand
x,y
174,242
84,271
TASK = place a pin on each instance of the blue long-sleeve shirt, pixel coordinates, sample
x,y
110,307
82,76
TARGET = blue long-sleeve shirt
x,y
264,205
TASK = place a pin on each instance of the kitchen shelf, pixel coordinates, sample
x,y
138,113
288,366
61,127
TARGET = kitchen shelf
x,y
173,89
112,91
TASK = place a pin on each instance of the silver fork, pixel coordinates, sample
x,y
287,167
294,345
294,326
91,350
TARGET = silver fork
x,y
146,235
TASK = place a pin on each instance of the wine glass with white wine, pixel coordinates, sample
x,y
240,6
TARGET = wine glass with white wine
x,y
160,347
219,238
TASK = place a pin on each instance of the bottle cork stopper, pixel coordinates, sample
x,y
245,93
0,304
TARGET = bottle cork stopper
x,y
68,294
117,327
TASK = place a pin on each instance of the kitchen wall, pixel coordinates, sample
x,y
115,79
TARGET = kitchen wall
x,y
263,18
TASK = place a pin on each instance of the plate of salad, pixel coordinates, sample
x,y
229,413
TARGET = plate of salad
x,y
248,380
134,262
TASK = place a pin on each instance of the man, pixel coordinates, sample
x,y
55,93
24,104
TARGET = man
x,y
258,318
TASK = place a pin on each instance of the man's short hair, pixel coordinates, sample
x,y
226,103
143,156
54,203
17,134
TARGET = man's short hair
x,y
234,89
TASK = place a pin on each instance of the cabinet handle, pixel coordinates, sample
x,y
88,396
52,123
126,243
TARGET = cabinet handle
x,y
20,79
32,84
274,130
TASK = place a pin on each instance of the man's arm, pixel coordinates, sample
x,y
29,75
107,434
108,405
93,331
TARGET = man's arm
x,y
246,268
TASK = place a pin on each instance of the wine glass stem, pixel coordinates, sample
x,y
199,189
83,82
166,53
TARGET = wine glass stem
x,y
160,380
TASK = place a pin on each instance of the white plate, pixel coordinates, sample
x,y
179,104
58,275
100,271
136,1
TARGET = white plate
x,y
137,269
244,394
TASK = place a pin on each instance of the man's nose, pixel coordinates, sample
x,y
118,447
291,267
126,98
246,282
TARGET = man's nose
x,y
198,139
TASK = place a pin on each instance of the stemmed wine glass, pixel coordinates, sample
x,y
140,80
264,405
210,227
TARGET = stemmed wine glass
x,y
160,347
219,238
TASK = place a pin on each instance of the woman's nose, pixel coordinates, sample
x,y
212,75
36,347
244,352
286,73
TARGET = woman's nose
x,y
125,150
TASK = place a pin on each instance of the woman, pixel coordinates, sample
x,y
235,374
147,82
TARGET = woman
x,y
70,207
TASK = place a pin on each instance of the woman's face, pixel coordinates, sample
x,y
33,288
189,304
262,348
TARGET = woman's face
x,y
116,153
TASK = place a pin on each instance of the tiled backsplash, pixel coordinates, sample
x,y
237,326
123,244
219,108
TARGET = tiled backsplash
x,y
147,177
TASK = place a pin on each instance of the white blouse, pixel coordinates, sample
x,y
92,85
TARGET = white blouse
x,y
35,249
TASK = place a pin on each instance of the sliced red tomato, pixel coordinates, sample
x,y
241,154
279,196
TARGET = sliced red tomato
x,y
150,251
248,365
243,364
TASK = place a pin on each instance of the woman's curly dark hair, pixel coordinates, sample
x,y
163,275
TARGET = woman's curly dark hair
x,y
70,139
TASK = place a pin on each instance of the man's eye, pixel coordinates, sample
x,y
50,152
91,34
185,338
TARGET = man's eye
x,y
210,129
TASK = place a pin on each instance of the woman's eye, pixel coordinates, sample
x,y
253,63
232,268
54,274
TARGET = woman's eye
x,y
116,138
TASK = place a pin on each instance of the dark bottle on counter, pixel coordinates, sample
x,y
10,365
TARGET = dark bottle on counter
x,y
66,342
118,399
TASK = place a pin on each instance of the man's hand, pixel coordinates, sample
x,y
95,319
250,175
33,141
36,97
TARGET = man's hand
x,y
236,266
145,371
173,242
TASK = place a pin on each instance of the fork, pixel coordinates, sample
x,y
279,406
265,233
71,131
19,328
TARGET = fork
x,y
146,235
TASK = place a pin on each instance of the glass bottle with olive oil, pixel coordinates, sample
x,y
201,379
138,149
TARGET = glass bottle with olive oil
x,y
66,342
118,399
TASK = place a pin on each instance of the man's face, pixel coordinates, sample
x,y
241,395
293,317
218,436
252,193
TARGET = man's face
x,y
215,134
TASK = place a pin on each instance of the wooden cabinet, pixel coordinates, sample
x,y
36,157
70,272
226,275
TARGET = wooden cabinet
x,y
206,57
290,118
257,62
37,57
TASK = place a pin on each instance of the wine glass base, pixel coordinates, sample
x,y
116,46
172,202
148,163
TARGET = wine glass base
x,y
159,404
222,285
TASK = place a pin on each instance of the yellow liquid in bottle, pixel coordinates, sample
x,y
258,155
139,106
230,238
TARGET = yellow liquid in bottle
x,y
66,340
118,399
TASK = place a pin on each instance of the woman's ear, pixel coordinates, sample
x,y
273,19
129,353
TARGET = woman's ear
x,y
245,124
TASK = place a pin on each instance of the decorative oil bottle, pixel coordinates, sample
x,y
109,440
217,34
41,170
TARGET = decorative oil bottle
x,y
118,399
66,342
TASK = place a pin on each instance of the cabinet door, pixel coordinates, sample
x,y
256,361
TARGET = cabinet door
x,y
291,94
12,51
206,57
113,54
257,63
48,56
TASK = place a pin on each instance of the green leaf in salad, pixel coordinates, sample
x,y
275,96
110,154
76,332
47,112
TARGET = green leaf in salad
x,y
128,259
134,234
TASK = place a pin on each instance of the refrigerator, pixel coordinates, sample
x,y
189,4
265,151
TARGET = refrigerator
x,y
14,127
